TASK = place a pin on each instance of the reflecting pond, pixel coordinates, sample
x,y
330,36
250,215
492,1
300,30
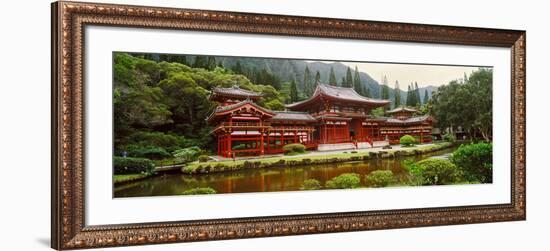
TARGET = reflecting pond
x,y
264,180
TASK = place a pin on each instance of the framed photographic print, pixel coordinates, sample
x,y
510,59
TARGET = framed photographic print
x,y
176,125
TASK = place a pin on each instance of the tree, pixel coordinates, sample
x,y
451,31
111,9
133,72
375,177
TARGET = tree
x,y
293,91
332,77
211,65
468,104
397,93
359,88
317,77
349,79
308,84
385,90
367,93
417,101
200,62
409,96
343,82
238,68
426,97
317,81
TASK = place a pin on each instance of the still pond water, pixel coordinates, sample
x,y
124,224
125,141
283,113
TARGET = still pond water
x,y
263,180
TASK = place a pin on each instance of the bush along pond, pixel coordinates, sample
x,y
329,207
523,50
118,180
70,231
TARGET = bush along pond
x,y
434,164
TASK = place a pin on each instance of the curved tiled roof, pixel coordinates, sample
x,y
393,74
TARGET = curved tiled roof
x,y
296,116
340,93
220,110
234,91
401,109
410,120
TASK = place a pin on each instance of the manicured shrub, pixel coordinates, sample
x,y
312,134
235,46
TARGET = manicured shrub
x,y
407,140
476,160
344,181
311,184
203,158
292,149
435,171
150,152
188,154
199,190
132,165
379,178
449,137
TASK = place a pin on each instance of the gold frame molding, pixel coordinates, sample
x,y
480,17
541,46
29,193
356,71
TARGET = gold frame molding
x,y
68,226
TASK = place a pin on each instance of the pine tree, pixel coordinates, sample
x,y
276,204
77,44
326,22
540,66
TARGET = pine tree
x,y
293,91
332,77
359,88
426,97
308,90
317,77
409,96
349,78
417,101
238,68
397,93
200,62
344,82
211,65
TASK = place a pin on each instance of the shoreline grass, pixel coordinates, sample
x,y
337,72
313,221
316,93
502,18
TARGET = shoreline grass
x,y
310,159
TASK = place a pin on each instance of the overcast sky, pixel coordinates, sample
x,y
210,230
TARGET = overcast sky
x,y
425,75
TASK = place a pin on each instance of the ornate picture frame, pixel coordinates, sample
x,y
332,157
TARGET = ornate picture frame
x,y
69,230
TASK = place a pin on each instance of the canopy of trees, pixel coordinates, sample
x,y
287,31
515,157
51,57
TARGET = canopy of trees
x,y
466,103
164,104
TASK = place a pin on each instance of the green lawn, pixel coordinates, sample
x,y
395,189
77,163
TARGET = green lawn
x,y
191,167
121,178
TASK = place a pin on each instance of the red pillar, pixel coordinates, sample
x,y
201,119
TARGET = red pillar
x,y
261,142
229,144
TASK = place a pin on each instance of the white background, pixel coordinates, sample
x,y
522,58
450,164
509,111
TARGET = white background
x,y
25,104
102,209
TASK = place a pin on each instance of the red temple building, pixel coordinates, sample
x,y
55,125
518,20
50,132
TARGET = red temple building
x,y
332,118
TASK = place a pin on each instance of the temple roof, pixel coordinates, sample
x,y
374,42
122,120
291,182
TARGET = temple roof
x,y
410,120
296,116
401,109
223,110
234,91
339,93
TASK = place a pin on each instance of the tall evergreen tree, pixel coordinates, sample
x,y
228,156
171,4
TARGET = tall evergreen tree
x,y
417,102
426,97
349,78
293,91
359,88
409,96
367,93
200,62
332,77
211,65
308,84
238,68
397,93
317,77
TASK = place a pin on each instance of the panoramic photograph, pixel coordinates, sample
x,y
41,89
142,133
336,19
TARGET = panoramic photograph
x,y
202,124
